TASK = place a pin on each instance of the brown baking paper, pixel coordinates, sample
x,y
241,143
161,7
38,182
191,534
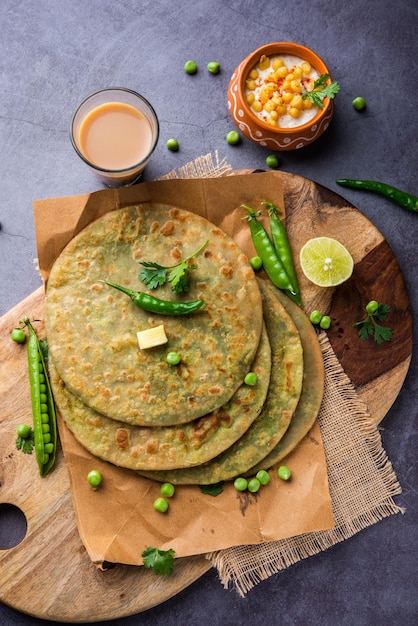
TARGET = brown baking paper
x,y
118,521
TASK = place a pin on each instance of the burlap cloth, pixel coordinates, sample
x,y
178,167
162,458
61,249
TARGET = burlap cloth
x,y
362,482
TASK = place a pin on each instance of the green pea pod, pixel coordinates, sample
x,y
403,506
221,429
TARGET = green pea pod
x,y
156,305
284,251
272,263
43,409
401,198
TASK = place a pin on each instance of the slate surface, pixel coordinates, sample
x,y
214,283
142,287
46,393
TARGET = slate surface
x,y
54,53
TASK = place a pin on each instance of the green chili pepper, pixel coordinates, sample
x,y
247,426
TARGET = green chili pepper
x,y
401,198
272,264
43,410
283,249
155,305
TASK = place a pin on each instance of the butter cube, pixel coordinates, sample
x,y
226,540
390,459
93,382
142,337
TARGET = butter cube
x,y
152,337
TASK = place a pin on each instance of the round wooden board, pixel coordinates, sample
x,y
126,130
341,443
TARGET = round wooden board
x,y
51,555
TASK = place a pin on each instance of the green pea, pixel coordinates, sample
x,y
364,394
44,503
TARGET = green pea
x,y
214,67
45,429
263,477
272,161
325,322
18,335
372,307
161,505
46,437
256,263
23,430
233,137
359,103
240,484
250,379
284,472
172,144
49,448
173,358
94,478
190,67
315,317
254,485
44,418
167,490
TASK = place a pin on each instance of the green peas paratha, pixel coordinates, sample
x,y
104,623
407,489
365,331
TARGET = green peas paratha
x,y
91,328
312,388
275,417
182,445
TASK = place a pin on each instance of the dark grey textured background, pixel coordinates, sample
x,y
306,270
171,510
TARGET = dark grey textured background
x,y
53,53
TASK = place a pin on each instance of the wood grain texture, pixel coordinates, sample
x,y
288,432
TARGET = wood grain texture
x,y
51,555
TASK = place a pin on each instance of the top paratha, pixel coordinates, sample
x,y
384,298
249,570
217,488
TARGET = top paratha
x,y
92,328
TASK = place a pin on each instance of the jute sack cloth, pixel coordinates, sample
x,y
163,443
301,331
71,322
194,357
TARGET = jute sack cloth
x,y
362,482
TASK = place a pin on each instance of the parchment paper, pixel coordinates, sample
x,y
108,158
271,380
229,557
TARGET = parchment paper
x,y
117,522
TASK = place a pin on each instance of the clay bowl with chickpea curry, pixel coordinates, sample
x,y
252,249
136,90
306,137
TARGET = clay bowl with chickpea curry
x,y
275,99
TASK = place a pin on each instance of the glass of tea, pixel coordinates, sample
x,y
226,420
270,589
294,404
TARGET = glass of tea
x,y
115,131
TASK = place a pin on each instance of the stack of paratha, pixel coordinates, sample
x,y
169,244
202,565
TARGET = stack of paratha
x,y
195,422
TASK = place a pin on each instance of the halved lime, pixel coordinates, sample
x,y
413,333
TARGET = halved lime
x,y
326,262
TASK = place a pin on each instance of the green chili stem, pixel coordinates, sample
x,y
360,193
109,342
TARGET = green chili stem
x,y
156,305
401,198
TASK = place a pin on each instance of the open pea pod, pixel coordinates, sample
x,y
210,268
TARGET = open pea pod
x,y
43,408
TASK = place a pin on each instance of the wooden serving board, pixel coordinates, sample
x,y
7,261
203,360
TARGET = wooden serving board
x,y
51,555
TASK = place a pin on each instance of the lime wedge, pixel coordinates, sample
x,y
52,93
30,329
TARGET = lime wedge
x,y
326,262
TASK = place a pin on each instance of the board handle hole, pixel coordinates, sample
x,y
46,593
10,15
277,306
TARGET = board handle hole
x,y
13,526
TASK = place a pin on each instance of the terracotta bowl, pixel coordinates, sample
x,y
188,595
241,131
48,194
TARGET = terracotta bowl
x,y
260,132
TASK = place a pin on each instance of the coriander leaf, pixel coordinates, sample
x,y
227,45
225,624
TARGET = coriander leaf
x,y
161,561
365,329
382,333
212,490
368,327
154,275
179,277
321,90
382,312
27,444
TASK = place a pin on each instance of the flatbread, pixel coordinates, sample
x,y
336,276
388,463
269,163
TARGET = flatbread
x,y
91,328
312,388
146,447
275,417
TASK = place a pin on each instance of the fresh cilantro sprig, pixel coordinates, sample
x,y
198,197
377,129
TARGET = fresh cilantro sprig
x,y
161,561
26,444
321,90
369,327
154,275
